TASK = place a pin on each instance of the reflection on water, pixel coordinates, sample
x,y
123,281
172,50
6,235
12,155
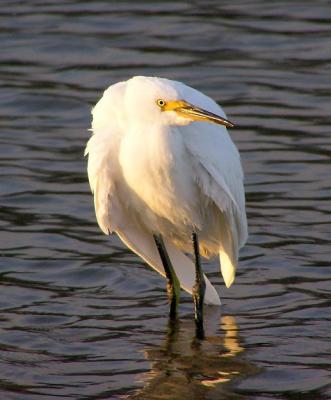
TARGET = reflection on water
x,y
183,366
81,317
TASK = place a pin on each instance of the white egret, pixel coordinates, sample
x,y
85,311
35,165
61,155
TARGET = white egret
x,y
167,179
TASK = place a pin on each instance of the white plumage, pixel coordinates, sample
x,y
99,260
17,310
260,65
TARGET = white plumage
x,y
155,170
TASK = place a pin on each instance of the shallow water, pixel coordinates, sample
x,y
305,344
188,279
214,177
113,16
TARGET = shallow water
x,y
84,318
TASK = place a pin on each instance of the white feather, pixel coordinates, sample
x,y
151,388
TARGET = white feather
x,y
153,172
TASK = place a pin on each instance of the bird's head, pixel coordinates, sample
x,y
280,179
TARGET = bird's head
x,y
162,101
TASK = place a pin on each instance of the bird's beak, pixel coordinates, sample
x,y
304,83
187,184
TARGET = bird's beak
x,y
187,110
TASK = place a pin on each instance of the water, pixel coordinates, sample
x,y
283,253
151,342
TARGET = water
x,y
81,316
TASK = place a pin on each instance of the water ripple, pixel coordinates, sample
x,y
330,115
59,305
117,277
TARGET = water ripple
x,y
81,316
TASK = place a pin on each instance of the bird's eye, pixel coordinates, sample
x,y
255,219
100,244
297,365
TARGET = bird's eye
x,y
160,102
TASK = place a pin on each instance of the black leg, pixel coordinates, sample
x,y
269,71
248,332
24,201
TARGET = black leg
x,y
173,285
199,288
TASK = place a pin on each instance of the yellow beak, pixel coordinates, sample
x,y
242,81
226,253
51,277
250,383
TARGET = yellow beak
x,y
187,110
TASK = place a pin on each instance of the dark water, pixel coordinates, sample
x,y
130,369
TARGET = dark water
x,y
82,317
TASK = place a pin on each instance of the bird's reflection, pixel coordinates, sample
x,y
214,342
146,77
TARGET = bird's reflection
x,y
184,367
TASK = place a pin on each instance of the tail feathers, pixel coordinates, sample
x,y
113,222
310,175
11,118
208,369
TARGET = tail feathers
x,y
142,243
228,253
228,268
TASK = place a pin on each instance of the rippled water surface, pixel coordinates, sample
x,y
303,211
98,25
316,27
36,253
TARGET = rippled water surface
x,y
84,318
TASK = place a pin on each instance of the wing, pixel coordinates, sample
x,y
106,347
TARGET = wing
x,y
219,175
112,214
102,150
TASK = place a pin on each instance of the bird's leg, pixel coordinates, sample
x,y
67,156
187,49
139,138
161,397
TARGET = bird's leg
x,y
199,288
173,285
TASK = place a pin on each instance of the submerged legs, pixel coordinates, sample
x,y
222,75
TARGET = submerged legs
x,y
173,285
199,288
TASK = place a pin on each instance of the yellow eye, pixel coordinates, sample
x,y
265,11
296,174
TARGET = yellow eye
x,y
160,102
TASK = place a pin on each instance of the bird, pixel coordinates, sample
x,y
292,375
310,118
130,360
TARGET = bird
x,y
167,179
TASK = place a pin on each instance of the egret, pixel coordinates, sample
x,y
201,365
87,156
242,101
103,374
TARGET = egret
x,y
167,178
